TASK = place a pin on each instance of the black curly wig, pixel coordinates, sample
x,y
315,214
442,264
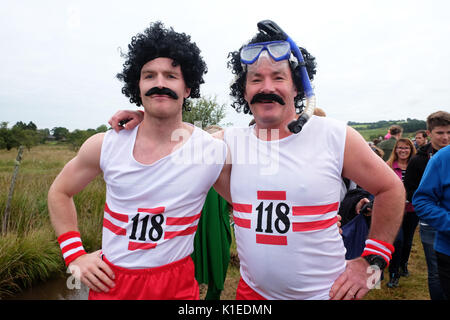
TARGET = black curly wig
x,y
238,85
156,42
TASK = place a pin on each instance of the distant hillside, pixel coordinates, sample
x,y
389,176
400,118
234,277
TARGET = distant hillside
x,y
373,130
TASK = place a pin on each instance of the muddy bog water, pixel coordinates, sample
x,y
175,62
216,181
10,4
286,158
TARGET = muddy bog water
x,y
64,288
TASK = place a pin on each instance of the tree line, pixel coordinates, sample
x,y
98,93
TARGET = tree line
x,y
205,110
410,125
28,135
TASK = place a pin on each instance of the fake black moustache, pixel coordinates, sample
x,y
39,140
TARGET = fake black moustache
x,y
162,91
264,97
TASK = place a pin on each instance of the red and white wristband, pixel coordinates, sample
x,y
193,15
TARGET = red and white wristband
x,y
71,246
379,247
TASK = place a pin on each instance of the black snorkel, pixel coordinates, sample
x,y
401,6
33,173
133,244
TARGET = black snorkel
x,y
272,29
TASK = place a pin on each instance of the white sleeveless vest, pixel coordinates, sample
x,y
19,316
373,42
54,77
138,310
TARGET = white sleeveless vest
x,y
152,211
286,195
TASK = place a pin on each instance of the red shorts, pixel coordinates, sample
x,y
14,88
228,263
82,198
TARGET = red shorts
x,y
244,292
173,281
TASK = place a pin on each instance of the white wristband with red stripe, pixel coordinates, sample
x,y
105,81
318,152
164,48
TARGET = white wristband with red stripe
x,y
71,246
379,247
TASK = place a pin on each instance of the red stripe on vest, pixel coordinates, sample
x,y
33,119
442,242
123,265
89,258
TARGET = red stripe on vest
x,y
243,223
314,225
140,246
271,195
156,210
240,207
115,215
270,239
182,221
314,210
112,227
185,232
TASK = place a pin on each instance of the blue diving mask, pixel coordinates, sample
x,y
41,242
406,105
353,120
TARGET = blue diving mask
x,y
278,50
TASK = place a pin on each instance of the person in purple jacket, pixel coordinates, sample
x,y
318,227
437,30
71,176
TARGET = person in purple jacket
x,y
402,153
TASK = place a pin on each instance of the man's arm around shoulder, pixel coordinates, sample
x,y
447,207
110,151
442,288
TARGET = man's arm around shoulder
x,y
222,185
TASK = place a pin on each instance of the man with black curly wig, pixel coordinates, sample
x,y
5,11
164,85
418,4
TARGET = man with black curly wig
x,y
155,184
286,188
157,42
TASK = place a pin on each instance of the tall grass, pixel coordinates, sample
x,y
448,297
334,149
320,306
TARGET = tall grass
x,y
29,251
27,259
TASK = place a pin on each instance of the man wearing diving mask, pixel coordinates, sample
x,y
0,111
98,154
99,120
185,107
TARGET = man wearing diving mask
x,y
285,220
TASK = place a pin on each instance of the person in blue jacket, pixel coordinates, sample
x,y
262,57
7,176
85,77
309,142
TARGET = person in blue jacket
x,y
432,204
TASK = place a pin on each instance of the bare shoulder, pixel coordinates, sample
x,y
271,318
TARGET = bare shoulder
x,y
93,142
357,150
354,138
218,134
79,171
90,151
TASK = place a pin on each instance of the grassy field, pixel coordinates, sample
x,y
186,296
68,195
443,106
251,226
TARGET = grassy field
x,y
370,134
29,253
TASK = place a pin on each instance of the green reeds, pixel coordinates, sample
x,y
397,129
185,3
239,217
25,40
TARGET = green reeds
x,y
25,260
29,252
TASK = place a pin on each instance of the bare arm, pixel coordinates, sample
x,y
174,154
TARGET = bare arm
x,y
76,174
369,171
222,184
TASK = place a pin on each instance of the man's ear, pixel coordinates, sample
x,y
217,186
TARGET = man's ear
x,y
187,92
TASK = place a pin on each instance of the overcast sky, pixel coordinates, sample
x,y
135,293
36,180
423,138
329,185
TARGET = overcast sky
x,y
376,60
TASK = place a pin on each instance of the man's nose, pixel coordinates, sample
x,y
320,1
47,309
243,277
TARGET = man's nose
x,y
160,81
267,86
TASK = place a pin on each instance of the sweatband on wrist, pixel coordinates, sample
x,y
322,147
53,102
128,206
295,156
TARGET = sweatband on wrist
x,y
379,247
71,246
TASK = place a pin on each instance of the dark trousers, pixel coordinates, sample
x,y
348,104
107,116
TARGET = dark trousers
x,y
427,235
409,225
403,242
443,262
394,264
